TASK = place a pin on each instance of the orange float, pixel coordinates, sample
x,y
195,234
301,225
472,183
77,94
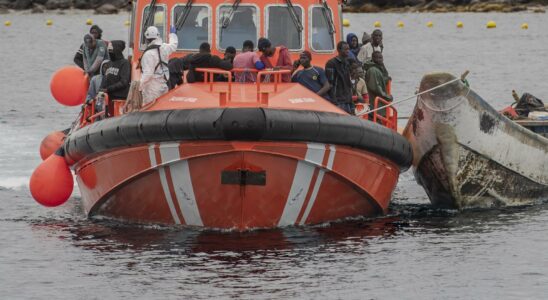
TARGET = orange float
x,y
69,86
51,143
51,184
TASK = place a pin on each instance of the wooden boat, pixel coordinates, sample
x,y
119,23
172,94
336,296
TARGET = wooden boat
x,y
234,155
467,154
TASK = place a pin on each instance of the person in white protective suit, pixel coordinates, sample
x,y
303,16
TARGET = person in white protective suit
x,y
153,64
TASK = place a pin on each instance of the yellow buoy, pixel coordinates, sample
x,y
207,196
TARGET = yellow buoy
x,y
377,24
89,22
7,23
346,22
524,26
460,24
430,24
127,23
400,24
49,22
491,24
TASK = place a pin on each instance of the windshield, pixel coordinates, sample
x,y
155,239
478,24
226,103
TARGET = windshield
x,y
158,21
240,26
195,30
322,40
282,29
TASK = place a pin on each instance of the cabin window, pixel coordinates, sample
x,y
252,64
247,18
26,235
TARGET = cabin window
x,y
321,35
195,26
159,20
283,26
237,25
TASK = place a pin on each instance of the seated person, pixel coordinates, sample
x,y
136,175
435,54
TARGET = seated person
x,y
275,57
230,53
177,67
247,60
118,72
311,77
95,83
204,59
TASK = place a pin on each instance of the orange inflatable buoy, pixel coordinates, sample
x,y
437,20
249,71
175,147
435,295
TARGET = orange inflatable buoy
x,y
51,184
69,86
51,143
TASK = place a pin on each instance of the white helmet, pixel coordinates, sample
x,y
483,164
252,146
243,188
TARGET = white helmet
x,y
152,33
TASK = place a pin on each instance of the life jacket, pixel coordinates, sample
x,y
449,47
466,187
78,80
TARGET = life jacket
x,y
160,61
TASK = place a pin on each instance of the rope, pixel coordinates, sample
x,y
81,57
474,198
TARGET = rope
x,y
462,77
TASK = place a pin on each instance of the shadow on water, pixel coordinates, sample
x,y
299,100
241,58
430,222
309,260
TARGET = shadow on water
x,y
403,220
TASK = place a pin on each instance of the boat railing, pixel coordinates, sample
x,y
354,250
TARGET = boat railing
x,y
263,77
390,117
89,115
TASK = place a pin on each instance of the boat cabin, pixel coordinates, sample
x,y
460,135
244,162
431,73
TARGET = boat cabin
x,y
313,25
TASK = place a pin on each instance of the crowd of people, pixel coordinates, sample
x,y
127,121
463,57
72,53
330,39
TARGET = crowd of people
x,y
356,74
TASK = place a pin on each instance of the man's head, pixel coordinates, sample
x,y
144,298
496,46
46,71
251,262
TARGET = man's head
x,y
230,53
96,31
366,38
248,46
305,58
377,58
343,49
265,46
205,48
354,42
90,41
116,49
376,37
151,34
356,70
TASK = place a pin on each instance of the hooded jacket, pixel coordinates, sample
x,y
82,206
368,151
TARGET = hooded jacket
x,y
117,76
204,60
354,50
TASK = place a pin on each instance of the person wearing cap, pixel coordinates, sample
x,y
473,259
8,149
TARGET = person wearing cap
x,y
366,51
95,52
311,77
97,33
153,63
337,70
275,57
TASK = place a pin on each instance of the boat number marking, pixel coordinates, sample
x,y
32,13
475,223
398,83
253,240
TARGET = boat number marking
x,y
301,100
183,99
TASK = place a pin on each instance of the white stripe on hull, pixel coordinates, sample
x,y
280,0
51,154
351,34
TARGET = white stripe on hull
x,y
182,184
301,184
317,185
165,187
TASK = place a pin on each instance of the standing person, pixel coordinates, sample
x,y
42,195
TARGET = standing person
x,y
366,39
247,60
337,70
311,77
275,57
153,64
117,76
366,52
354,45
204,59
359,88
95,51
97,33
376,79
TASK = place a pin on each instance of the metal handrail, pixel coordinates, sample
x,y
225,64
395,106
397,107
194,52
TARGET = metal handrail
x,y
391,119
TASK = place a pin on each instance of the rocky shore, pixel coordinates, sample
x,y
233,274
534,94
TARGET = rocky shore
x,y
365,6
443,6
40,6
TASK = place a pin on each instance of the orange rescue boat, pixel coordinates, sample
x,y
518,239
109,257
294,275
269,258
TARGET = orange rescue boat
x,y
234,155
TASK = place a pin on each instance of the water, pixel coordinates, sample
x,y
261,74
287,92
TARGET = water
x,y
415,252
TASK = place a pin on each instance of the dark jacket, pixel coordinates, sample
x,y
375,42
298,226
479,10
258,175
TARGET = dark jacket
x,y
117,76
376,79
79,57
205,60
338,74
177,67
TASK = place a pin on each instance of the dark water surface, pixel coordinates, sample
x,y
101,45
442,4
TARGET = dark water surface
x,y
415,252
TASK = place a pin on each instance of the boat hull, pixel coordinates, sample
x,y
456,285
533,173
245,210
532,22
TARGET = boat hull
x,y
466,154
236,185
